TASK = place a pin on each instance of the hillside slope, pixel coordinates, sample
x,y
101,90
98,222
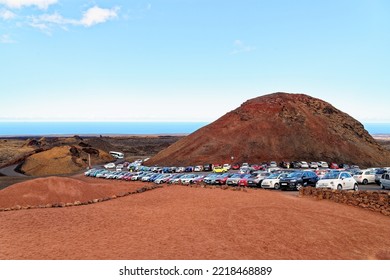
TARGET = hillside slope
x,y
278,126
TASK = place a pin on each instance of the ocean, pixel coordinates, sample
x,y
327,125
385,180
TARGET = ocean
x,y
96,128
118,128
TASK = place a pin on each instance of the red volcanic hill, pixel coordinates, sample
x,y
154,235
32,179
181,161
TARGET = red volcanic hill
x,y
278,126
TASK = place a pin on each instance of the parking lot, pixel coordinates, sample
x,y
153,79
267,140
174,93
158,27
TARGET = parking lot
x,y
221,178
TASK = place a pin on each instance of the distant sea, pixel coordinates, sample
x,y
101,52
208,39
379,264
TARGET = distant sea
x,y
119,128
96,128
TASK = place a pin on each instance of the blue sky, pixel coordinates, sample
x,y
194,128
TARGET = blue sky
x,y
189,60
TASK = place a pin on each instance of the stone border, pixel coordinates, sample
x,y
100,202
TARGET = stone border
x,y
79,203
378,201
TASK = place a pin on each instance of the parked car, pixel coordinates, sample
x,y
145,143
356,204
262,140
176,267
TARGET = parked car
x,y
109,165
258,179
297,180
188,179
256,167
244,170
323,164
207,167
210,179
273,181
227,166
333,165
365,176
198,168
180,169
189,169
236,166
304,164
273,164
295,164
163,179
344,166
313,165
221,179
284,164
338,180
220,169
244,180
174,179
233,180
378,175
385,181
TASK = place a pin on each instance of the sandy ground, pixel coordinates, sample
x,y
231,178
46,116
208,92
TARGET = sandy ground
x,y
179,222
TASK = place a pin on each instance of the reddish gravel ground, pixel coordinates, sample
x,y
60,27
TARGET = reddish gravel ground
x,y
179,222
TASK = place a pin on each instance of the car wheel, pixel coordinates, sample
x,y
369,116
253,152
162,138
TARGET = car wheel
x,y
355,187
276,186
365,182
299,186
382,186
339,187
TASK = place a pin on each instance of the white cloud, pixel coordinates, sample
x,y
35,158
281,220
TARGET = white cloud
x,y
97,15
17,4
7,15
6,39
55,19
240,47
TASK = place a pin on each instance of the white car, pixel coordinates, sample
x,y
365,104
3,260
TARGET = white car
x,y
272,181
304,164
338,181
227,166
385,181
313,165
365,176
109,165
180,169
323,164
198,168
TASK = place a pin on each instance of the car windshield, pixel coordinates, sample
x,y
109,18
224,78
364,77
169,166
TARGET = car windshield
x,y
331,175
273,176
295,174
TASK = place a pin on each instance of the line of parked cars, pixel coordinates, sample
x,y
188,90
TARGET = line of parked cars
x,y
265,175
284,179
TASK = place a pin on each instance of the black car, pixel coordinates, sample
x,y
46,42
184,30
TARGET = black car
x,y
297,180
207,167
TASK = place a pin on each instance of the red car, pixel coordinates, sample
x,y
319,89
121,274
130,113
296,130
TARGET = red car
x,y
333,165
256,167
236,166
221,179
244,180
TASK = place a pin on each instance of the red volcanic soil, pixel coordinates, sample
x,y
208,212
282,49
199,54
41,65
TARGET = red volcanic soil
x,y
179,222
279,126
52,190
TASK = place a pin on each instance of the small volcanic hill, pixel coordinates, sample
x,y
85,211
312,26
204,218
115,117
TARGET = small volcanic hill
x,y
63,160
278,126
